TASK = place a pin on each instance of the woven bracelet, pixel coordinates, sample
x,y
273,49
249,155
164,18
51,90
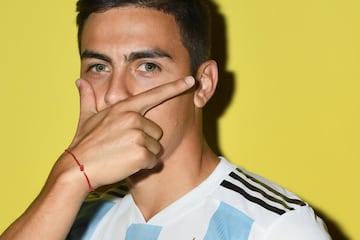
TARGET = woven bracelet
x,y
82,169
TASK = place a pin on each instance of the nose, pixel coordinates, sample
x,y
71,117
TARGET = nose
x,y
116,89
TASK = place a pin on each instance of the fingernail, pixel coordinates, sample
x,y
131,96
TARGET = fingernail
x,y
189,80
77,83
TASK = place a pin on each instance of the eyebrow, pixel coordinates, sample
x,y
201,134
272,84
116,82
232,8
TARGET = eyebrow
x,y
92,54
149,53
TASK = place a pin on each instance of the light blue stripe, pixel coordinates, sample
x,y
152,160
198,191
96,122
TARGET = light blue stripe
x,y
97,217
228,223
142,232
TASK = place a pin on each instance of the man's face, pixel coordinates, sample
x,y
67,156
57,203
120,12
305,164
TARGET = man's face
x,y
128,50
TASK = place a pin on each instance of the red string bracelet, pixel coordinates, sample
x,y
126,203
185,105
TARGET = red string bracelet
x,y
82,169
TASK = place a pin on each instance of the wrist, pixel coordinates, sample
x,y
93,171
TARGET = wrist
x,y
82,169
66,174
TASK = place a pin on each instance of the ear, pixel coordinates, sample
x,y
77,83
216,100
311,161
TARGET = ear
x,y
207,77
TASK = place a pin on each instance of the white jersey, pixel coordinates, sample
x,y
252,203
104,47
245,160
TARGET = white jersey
x,y
231,204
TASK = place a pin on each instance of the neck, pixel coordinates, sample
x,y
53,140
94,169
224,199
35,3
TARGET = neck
x,y
153,190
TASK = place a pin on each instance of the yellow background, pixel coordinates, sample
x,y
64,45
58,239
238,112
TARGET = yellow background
x,y
293,117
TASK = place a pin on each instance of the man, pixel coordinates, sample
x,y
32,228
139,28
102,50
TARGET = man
x,y
140,128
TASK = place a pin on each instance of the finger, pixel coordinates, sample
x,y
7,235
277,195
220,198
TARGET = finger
x,y
147,100
151,128
87,100
152,145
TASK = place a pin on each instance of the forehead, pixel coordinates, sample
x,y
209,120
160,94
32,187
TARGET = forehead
x,y
131,26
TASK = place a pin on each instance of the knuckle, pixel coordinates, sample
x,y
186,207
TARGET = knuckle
x,y
143,156
143,153
138,136
132,118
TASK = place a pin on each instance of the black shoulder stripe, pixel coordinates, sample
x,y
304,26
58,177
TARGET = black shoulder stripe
x,y
116,193
287,199
123,187
256,189
253,199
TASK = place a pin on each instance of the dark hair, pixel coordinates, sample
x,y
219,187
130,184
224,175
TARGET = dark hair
x,y
191,16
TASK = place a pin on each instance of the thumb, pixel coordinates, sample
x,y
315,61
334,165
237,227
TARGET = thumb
x,y
87,100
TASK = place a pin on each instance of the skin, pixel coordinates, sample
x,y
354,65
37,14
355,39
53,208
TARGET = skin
x,y
140,119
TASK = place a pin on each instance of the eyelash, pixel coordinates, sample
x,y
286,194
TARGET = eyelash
x,y
153,65
93,66
104,68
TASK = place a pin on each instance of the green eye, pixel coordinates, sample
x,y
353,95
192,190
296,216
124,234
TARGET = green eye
x,y
100,68
148,67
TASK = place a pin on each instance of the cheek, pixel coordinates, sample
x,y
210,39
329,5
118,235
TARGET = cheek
x,y
173,116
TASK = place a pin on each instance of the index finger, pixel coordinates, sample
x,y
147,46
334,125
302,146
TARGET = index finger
x,y
145,101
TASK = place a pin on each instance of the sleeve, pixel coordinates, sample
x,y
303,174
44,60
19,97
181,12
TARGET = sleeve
x,y
299,224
